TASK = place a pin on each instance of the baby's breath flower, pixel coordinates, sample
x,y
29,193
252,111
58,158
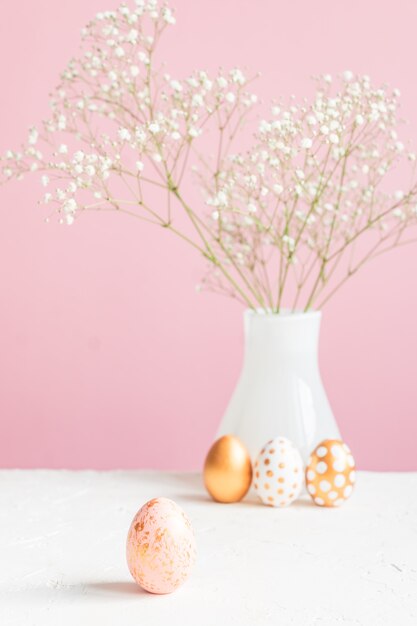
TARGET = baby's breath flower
x,y
124,134
176,85
194,132
79,156
238,76
168,16
33,136
90,170
314,179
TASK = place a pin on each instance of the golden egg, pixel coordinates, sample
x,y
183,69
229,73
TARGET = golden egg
x,y
330,473
227,470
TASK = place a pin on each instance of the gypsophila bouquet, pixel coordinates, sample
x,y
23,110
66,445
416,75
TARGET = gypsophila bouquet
x,y
283,223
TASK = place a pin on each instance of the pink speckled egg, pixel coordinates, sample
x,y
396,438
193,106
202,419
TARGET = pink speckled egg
x,y
160,546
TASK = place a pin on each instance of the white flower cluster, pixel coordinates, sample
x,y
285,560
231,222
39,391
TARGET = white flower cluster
x,y
314,180
114,114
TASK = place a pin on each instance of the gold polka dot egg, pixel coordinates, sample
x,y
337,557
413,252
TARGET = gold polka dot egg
x,y
278,473
330,474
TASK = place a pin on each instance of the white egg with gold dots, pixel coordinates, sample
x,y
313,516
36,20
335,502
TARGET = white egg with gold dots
x,y
278,473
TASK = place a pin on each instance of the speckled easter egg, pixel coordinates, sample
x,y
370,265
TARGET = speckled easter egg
x,y
330,474
160,546
278,473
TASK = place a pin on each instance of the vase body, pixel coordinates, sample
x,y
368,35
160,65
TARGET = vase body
x,y
280,392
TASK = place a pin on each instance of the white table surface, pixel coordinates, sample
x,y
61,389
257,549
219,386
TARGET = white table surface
x,y
62,554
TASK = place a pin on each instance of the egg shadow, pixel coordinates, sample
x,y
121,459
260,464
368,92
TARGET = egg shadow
x,y
304,502
115,588
105,591
249,500
198,494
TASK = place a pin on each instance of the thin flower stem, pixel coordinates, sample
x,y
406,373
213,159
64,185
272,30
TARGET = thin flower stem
x,y
210,253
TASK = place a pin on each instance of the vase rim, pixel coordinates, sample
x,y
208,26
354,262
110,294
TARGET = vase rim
x,y
286,314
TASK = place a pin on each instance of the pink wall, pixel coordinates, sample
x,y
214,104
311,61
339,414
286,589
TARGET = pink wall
x,y
108,357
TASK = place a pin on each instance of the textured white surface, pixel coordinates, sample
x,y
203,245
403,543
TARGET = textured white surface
x,y
62,554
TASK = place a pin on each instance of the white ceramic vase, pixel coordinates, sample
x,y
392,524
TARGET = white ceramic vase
x,y
280,391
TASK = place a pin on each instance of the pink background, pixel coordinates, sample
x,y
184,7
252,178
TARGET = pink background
x,y
108,357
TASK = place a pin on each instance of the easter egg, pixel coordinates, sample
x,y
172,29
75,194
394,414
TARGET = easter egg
x,y
227,470
330,474
278,473
160,546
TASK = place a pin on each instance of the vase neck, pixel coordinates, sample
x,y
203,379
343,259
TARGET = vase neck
x,y
286,333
